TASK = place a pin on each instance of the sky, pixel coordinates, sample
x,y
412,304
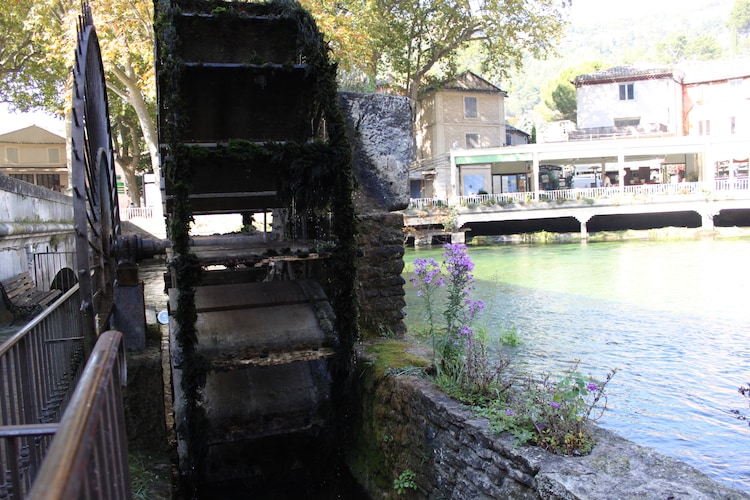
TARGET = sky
x,y
13,121
602,10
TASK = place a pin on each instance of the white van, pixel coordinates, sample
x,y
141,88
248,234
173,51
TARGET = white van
x,y
583,181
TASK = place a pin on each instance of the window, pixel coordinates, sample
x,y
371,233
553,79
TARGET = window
x,y
11,155
627,92
50,181
472,141
53,155
704,127
24,177
470,107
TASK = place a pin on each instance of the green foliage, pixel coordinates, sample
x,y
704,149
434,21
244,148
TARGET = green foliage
x,y
510,338
739,17
405,481
677,47
149,475
463,368
559,94
415,38
394,357
29,77
556,416
564,98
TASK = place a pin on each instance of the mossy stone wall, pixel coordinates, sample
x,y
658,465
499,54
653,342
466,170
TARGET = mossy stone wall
x,y
402,422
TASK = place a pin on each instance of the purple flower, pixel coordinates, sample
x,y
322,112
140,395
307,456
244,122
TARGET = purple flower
x,y
426,273
592,387
510,412
554,405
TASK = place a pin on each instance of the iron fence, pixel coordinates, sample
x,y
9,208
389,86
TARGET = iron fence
x,y
88,457
722,189
139,213
40,366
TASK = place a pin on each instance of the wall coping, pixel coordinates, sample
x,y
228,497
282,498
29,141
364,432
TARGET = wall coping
x,y
615,469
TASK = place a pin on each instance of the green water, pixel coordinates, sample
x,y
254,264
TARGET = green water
x,y
672,317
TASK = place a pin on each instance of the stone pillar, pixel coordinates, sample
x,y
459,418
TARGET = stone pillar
x,y
535,175
454,193
379,268
707,220
379,127
584,219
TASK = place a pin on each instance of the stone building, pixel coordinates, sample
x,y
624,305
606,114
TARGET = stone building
x,y
36,156
463,113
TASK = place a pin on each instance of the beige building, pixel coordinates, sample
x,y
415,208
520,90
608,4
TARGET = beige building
x,y
35,155
465,113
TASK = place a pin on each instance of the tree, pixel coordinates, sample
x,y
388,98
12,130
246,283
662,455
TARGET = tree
x,y
739,23
28,79
671,49
126,37
564,99
739,17
42,36
345,25
677,47
418,36
704,47
560,94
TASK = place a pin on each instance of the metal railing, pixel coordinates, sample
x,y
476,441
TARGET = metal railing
x,y
40,366
723,188
89,457
139,213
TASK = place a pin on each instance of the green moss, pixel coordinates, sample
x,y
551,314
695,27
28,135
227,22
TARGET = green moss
x,y
394,356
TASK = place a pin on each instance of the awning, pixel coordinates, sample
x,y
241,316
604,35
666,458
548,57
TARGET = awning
x,y
493,158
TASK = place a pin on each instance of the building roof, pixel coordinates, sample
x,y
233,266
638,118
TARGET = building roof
x,y
32,135
467,81
629,73
511,128
714,71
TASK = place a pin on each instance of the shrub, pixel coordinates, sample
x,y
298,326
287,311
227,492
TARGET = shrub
x,y
510,338
460,354
556,416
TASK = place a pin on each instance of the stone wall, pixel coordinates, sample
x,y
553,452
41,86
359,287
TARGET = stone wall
x,y
33,220
379,269
379,127
404,423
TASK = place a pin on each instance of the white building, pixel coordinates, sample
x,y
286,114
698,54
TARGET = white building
x,y
630,100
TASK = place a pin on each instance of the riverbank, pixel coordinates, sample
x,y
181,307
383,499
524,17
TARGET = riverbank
x,y
668,315
408,435
658,234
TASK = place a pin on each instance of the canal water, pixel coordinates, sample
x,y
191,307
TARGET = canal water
x,y
672,317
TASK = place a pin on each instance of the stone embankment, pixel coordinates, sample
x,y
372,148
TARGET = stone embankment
x,y
403,423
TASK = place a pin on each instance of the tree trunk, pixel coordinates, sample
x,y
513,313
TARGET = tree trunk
x,y
131,181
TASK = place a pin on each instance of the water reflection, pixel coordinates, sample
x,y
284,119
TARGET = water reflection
x,y
672,317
